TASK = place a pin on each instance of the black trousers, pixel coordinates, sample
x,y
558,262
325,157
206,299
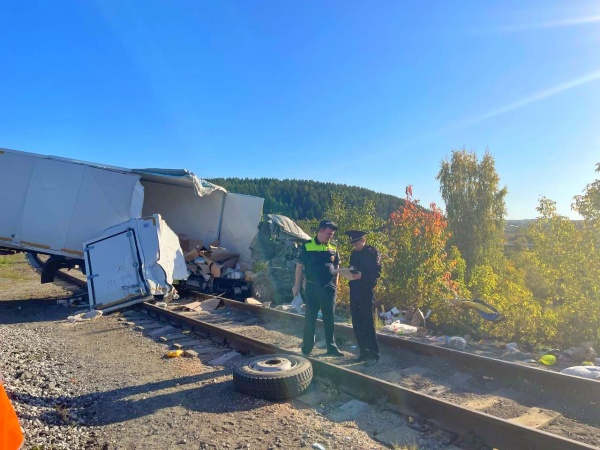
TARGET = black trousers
x,y
318,298
362,309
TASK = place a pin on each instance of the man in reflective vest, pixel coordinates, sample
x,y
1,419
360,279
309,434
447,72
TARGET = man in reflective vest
x,y
316,260
11,437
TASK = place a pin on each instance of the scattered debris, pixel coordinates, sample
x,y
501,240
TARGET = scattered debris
x,y
297,304
83,317
398,327
211,304
513,347
583,353
457,343
592,372
548,360
252,301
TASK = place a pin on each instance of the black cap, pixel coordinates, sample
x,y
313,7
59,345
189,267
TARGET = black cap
x,y
327,224
355,235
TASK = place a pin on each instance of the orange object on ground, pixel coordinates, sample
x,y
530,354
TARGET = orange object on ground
x,y
11,437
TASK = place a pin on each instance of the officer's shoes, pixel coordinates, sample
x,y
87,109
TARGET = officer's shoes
x,y
335,352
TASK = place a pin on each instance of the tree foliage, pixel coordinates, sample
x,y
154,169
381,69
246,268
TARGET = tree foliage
x,y
362,217
566,262
305,199
588,204
474,207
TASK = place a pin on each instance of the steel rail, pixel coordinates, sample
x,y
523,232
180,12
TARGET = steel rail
x,y
578,387
454,418
493,431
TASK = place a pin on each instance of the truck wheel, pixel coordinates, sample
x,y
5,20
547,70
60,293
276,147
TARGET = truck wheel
x,y
262,289
273,377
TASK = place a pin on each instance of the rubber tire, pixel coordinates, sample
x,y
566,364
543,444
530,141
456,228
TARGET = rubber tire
x,y
262,289
279,385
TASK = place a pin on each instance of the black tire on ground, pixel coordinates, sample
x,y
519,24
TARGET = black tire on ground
x,y
273,377
262,289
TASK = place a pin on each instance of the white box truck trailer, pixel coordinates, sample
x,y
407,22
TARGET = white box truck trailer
x,y
60,207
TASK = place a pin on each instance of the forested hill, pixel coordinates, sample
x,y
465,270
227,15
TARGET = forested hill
x,y
304,199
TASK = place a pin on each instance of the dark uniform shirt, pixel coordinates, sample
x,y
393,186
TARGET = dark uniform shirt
x,y
368,262
317,259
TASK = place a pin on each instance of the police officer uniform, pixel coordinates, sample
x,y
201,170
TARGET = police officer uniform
x,y
321,289
368,262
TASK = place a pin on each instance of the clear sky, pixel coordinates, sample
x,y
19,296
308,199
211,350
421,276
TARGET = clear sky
x,y
366,93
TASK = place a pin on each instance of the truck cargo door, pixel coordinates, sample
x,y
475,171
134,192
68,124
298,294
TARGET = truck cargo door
x,y
114,270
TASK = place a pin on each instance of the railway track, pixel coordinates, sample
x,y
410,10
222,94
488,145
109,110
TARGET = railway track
x,y
430,405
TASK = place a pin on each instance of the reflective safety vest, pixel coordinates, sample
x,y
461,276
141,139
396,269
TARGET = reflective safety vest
x,y
316,260
312,246
11,437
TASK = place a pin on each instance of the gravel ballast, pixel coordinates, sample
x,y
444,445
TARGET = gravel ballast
x,y
101,385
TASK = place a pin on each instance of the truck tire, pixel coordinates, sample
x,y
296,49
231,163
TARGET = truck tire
x,y
262,289
273,377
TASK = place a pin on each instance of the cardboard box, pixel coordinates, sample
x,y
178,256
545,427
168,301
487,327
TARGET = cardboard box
x,y
191,255
220,254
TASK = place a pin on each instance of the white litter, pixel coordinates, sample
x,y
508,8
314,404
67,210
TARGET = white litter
x,y
92,314
398,327
83,317
297,303
513,347
457,343
592,372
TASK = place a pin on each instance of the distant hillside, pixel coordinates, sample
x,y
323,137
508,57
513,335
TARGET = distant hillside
x,y
303,199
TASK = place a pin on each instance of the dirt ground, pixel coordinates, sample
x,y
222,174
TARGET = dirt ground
x,y
100,384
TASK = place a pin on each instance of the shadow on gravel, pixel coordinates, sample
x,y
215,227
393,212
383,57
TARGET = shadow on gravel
x,y
34,310
200,393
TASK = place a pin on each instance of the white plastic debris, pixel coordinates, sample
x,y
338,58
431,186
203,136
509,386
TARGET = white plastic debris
x,y
398,327
513,347
83,317
297,303
457,343
592,372
92,314
318,446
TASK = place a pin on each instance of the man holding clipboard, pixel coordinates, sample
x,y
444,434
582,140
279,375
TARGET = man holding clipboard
x,y
365,260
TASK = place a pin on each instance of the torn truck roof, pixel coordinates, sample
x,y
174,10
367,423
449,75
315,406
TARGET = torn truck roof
x,y
53,204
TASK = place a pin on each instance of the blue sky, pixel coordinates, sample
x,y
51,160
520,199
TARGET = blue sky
x,y
371,94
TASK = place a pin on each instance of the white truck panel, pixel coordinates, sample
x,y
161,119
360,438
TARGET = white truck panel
x,y
132,260
53,205
231,218
241,215
184,211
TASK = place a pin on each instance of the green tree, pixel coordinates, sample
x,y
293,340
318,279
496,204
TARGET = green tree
x,y
475,207
348,217
588,204
417,268
566,260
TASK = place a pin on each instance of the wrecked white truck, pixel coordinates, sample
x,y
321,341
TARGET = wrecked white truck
x,y
123,227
